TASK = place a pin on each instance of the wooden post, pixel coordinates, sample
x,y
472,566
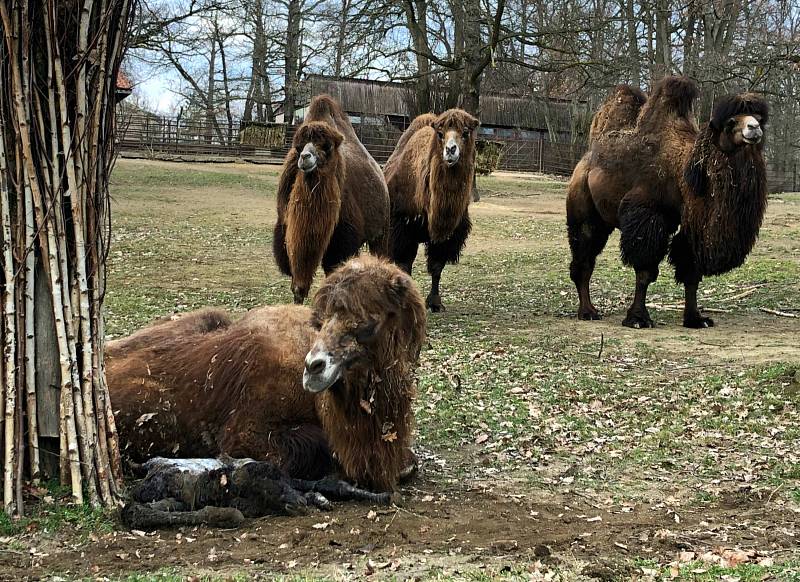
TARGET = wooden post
x,y
541,156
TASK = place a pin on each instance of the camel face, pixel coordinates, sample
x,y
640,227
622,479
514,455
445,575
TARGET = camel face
x,y
739,121
746,130
453,144
307,160
341,344
367,316
316,144
455,131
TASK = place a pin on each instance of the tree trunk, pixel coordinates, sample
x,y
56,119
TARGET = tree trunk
x,y
57,93
292,62
417,22
633,43
211,118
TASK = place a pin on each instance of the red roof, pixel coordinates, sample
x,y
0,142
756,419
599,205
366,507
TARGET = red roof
x,y
123,82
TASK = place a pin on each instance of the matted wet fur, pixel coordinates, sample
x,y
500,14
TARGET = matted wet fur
x,y
662,174
429,197
185,387
327,214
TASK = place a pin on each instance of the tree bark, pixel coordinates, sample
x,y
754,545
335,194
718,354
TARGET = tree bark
x,y
56,153
292,60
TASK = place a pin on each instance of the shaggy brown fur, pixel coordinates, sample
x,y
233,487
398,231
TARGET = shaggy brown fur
x,y
618,111
655,177
200,385
326,214
429,196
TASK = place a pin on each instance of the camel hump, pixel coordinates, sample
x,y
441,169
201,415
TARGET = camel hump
x,y
739,104
323,106
671,96
166,329
619,111
424,120
457,118
208,320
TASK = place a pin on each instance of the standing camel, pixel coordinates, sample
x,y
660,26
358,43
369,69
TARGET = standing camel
x,y
662,175
430,176
332,198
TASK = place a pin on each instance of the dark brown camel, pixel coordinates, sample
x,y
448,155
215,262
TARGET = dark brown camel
x,y
290,385
332,198
664,175
430,176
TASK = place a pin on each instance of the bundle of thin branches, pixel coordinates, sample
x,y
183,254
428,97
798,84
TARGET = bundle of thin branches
x,y
58,67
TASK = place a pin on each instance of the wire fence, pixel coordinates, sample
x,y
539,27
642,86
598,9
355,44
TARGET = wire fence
x,y
197,140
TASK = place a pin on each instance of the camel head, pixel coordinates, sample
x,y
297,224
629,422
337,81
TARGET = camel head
x,y
315,144
369,318
455,130
738,121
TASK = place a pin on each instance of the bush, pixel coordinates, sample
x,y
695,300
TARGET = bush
x,y
488,156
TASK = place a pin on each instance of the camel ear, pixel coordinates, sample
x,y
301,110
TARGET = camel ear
x,y
399,287
337,138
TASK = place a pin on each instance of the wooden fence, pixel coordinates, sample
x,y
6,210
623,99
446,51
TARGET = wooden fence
x,y
171,138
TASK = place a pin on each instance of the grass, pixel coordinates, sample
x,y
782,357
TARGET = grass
x,y
507,352
509,382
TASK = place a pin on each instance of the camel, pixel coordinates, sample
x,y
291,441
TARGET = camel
x,y
430,176
332,198
663,176
222,492
307,389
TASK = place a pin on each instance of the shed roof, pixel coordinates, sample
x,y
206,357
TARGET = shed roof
x,y
387,98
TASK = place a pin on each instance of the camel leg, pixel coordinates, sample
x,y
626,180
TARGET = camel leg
x,y
586,240
645,233
441,253
403,243
345,243
279,249
379,246
687,273
638,316
588,235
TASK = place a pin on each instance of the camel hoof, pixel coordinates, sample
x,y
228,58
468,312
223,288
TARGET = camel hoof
x,y
698,322
434,304
589,316
638,322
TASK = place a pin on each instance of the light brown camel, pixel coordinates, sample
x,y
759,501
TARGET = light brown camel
x,y
430,176
332,198
662,174
295,386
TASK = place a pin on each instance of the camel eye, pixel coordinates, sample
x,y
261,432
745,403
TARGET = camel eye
x,y
466,133
439,134
316,322
367,332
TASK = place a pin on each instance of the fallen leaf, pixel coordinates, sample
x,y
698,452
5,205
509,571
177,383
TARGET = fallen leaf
x,y
481,438
144,418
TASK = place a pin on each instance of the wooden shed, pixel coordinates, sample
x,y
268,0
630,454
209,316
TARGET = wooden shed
x,y
502,116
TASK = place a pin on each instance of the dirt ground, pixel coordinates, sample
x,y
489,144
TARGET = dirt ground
x,y
551,448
